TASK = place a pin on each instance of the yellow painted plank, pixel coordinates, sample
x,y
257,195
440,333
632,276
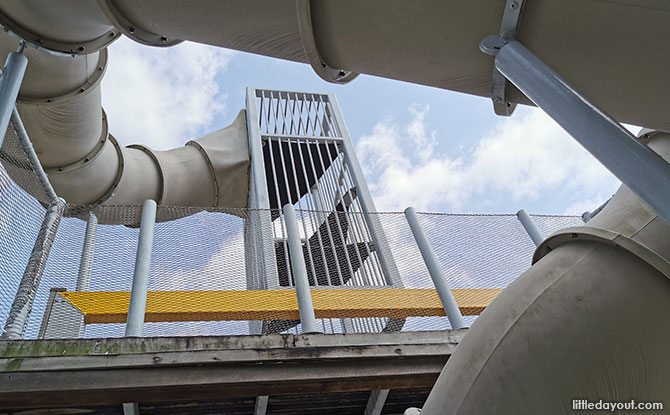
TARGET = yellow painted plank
x,y
163,306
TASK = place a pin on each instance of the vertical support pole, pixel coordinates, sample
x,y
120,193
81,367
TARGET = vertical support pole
x,y
86,262
259,251
383,250
299,270
440,282
47,311
260,233
630,160
261,406
25,295
138,293
376,402
530,227
10,83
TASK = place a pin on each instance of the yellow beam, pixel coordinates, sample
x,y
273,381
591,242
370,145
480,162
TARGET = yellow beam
x,y
162,306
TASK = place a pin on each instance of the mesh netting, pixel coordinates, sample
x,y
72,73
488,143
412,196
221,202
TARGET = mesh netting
x,y
21,216
204,251
366,272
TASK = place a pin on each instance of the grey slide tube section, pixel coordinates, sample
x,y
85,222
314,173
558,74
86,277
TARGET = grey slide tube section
x,y
530,227
440,282
10,83
630,160
138,293
305,306
86,262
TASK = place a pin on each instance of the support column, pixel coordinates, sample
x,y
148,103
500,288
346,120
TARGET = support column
x,y
25,295
376,402
86,262
439,281
299,271
138,293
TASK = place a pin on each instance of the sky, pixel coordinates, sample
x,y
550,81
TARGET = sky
x,y
433,149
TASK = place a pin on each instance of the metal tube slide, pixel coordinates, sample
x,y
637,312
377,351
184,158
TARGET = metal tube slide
x,y
587,321
372,37
60,104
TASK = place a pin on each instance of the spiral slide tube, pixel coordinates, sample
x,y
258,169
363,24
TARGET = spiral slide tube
x,y
588,321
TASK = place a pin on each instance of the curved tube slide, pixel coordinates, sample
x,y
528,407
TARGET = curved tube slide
x,y
60,104
589,320
60,97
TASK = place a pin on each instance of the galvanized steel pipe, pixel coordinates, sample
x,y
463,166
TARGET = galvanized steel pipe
x,y
299,270
138,293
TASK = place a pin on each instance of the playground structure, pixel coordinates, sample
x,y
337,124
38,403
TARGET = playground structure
x,y
589,286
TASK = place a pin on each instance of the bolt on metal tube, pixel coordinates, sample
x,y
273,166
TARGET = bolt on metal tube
x,y
138,293
443,290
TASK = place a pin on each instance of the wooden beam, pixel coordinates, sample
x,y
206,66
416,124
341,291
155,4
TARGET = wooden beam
x,y
164,306
112,371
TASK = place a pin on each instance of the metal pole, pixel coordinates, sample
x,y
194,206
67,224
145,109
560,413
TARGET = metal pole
x,y
86,261
530,227
138,293
32,275
10,82
261,224
630,160
440,282
299,270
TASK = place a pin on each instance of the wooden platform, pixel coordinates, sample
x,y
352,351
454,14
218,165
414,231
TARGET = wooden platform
x,y
300,373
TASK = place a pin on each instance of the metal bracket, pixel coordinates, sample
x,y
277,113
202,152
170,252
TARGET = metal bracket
x,y
492,44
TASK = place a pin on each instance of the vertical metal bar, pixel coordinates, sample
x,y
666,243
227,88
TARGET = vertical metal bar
x,y
305,306
10,82
32,275
275,179
630,160
530,227
47,312
86,262
440,282
310,200
131,408
138,293
357,231
323,206
376,402
260,218
297,195
329,175
383,251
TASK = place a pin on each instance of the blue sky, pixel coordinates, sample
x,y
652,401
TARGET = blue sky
x,y
434,149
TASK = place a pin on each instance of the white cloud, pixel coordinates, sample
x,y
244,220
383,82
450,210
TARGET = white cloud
x,y
162,97
525,157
